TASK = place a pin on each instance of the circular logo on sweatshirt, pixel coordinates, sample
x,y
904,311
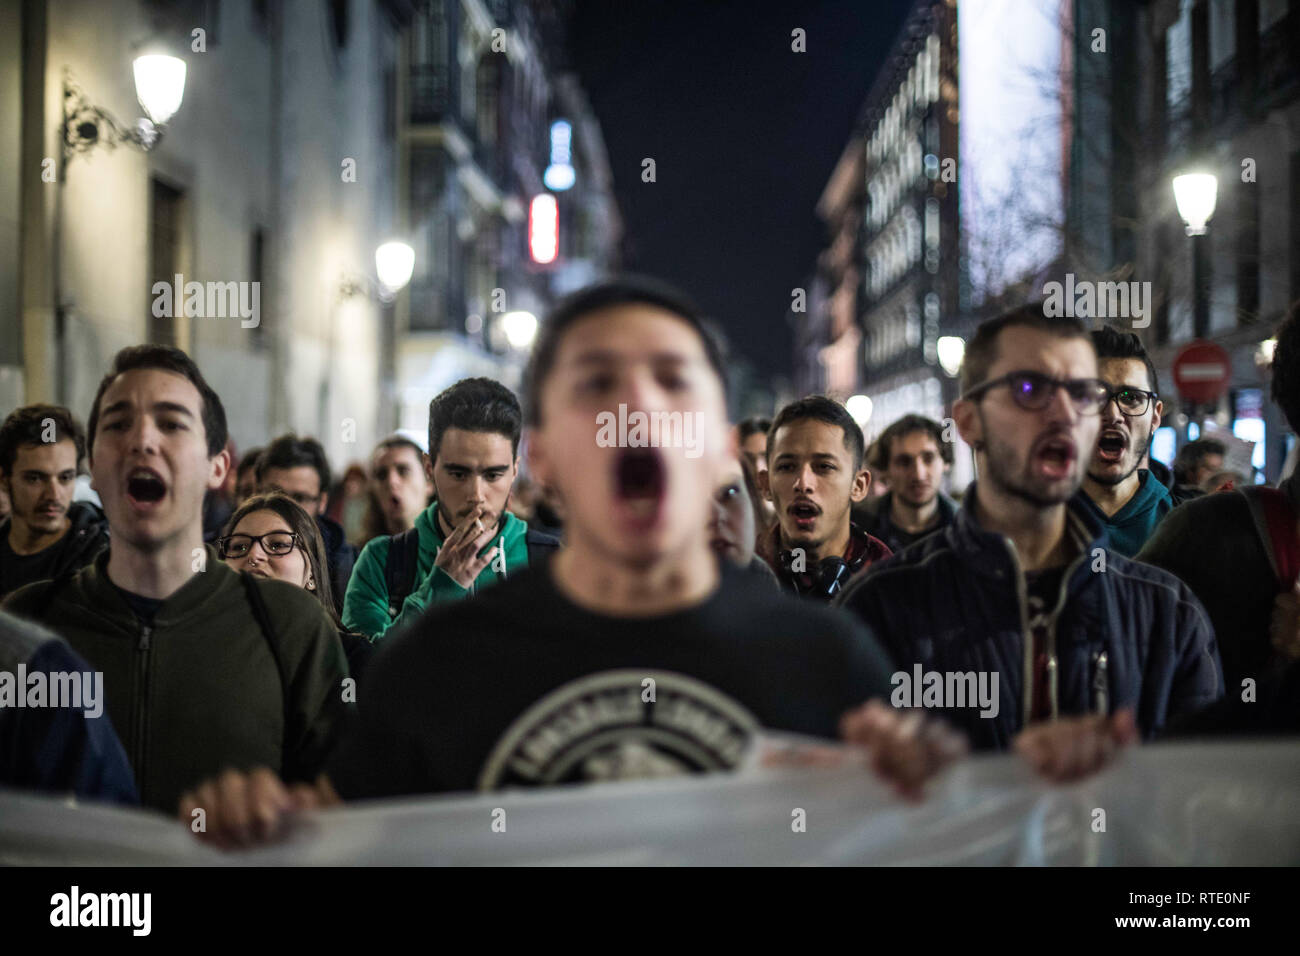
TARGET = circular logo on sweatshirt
x,y
620,725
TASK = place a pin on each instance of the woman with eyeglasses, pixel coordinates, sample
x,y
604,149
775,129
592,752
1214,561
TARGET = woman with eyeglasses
x,y
271,536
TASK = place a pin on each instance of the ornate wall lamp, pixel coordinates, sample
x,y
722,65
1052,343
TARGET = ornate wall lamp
x,y
159,86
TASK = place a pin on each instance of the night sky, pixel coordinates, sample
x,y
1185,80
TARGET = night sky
x,y
744,133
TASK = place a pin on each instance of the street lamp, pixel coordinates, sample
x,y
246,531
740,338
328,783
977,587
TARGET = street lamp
x,y
159,88
520,329
952,350
1196,194
394,263
859,409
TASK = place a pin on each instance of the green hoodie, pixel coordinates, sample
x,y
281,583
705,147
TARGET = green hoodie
x,y
366,609
199,690
1128,529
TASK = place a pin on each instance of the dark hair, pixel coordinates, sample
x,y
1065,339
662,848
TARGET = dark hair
x,y
308,533
1111,343
398,441
982,350
1286,368
26,426
167,359
753,426
248,463
624,290
755,496
475,405
822,409
290,451
1191,455
907,425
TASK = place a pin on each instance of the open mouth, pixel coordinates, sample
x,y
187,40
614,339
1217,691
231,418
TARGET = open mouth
x,y
145,486
639,483
1054,458
1111,445
804,513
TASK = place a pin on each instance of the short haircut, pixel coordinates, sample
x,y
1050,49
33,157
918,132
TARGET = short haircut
x,y
475,405
624,290
299,521
1286,368
753,426
26,426
982,350
248,463
822,409
290,451
166,359
1112,343
1191,455
755,496
908,425
399,441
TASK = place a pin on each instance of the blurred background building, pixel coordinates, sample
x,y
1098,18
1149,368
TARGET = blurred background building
x,y
1066,121
308,134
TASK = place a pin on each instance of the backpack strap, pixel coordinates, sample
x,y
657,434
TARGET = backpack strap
x,y
401,568
258,606
1275,521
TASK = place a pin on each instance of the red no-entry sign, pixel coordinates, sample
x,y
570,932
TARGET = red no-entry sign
x,y
1201,371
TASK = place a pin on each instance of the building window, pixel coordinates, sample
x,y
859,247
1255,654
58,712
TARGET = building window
x,y
257,274
165,209
338,17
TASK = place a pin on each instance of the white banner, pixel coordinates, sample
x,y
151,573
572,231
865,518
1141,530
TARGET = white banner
x,y
1166,805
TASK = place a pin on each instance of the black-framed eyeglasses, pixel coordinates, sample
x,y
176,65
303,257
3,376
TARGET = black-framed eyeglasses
x,y
276,543
1131,402
1034,391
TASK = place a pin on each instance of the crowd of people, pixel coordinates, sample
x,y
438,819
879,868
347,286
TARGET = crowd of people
x,y
515,603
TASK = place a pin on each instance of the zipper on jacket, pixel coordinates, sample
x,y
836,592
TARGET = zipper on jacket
x,y
142,704
1022,599
1053,684
1100,683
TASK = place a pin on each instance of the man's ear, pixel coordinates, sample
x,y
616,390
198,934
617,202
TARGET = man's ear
x,y
861,485
428,467
218,465
966,417
764,486
1157,416
535,454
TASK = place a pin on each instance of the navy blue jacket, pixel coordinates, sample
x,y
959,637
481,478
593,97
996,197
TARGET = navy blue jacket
x,y
57,749
1123,634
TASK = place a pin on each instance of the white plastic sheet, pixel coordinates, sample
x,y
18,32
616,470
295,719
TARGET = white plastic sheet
x,y
1185,804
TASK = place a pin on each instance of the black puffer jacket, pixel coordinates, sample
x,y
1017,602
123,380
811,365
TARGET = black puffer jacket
x,y
1123,634
87,536
339,555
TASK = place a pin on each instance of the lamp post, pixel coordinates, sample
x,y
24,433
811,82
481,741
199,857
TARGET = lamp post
x,y
394,265
1196,195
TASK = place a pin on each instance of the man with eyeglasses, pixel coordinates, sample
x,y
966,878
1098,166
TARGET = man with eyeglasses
x,y
1126,498
1022,585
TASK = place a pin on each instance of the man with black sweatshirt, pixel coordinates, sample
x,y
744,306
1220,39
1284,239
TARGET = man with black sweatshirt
x,y
633,651
203,667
